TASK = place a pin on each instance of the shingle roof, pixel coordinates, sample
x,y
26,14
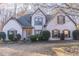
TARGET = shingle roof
x,y
25,21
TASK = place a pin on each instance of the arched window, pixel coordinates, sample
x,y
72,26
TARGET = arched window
x,y
66,32
55,33
60,19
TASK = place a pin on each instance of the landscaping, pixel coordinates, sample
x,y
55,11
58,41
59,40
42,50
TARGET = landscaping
x,y
13,37
43,36
2,36
75,34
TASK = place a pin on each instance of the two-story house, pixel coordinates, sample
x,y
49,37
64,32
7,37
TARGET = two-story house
x,y
32,24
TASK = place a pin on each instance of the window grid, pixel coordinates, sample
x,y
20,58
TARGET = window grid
x,y
38,20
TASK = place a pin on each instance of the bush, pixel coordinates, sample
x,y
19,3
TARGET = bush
x,y
18,36
33,38
75,34
40,37
3,35
11,37
44,35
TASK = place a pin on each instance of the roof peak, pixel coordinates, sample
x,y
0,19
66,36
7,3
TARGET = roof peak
x,y
40,11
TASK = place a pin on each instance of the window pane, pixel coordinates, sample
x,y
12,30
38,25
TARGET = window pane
x,y
38,20
55,33
37,31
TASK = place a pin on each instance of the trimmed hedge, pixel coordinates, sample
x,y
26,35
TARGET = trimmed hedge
x,y
75,35
18,36
12,38
40,37
44,35
3,36
33,38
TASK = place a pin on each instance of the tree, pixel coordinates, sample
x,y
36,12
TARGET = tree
x,y
70,16
21,9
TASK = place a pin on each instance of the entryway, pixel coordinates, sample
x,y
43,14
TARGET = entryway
x,y
26,33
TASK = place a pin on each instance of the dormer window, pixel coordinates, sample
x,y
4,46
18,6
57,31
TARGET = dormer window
x,y
60,19
38,20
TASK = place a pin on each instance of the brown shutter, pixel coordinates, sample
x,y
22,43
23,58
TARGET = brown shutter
x,y
57,19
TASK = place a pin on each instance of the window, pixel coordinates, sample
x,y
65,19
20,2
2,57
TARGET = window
x,y
37,31
55,33
38,20
61,19
67,33
12,32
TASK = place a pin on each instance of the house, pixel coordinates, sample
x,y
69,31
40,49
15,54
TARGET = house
x,y
32,24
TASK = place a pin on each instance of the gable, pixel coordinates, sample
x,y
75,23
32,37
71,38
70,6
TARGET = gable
x,y
12,24
14,19
54,25
54,19
38,12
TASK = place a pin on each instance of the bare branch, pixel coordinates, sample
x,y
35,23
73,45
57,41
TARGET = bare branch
x,y
71,7
68,16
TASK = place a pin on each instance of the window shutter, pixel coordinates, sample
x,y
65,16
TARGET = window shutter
x,y
52,33
60,19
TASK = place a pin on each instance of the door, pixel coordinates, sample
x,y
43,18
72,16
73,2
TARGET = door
x,y
27,33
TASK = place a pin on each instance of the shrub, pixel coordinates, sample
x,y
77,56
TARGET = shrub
x,y
75,34
44,35
0,37
40,37
3,35
18,36
33,38
11,37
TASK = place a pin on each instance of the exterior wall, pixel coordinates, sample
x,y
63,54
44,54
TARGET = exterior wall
x,y
12,24
53,25
38,13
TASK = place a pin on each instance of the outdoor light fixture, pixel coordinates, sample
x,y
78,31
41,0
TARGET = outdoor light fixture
x,y
66,32
77,26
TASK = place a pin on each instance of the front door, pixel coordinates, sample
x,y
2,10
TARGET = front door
x,y
27,33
